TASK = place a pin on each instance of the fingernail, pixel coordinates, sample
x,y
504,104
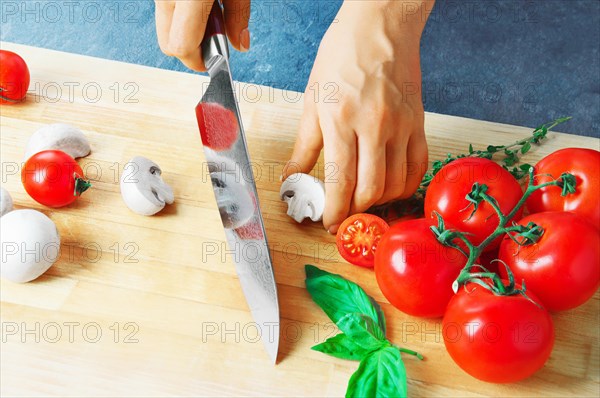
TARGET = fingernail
x,y
245,40
333,229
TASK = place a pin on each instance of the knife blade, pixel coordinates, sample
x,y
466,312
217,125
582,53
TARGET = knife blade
x,y
232,178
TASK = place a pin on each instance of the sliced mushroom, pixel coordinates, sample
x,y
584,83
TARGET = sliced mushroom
x,y
143,188
236,203
6,202
305,197
60,136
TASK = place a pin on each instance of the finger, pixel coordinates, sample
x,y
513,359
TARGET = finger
x,y
163,14
307,147
187,30
371,174
340,176
395,178
237,14
417,156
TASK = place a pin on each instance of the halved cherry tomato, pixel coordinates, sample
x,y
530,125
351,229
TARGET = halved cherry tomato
x,y
358,237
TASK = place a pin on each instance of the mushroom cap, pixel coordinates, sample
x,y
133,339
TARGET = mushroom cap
x,y
59,136
305,196
6,202
30,245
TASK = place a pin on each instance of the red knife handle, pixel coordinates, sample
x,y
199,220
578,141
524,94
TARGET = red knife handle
x,y
215,25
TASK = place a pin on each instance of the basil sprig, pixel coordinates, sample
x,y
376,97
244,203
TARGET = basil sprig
x,y
381,372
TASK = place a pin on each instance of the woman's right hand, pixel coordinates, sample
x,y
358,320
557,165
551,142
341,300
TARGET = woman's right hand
x,y
180,26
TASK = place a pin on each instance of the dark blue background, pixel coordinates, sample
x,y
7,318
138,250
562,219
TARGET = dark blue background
x,y
518,62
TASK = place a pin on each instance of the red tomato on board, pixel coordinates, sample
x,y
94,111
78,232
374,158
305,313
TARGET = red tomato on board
x,y
218,126
584,164
53,178
447,191
358,236
14,77
498,339
563,267
414,271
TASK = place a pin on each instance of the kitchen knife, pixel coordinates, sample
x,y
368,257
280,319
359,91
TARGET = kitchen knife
x,y
233,183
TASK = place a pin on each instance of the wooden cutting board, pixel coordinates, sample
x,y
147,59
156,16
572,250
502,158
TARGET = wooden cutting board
x,y
151,306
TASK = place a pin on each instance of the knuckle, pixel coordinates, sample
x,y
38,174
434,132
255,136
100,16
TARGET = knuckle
x,y
178,50
367,196
165,49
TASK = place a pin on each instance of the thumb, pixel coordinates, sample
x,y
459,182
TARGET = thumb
x,y
237,14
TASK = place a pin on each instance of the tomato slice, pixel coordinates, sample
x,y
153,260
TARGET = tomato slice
x,y
358,237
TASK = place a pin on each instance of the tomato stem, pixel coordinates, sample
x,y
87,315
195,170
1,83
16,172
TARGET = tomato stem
x,y
81,185
530,233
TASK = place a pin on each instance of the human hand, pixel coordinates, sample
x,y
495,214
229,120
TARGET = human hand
x,y
180,26
372,133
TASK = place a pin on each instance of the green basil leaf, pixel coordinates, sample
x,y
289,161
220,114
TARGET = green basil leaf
x,y
525,148
363,330
342,346
380,374
338,296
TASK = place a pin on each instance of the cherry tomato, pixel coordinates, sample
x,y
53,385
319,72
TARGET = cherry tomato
x,y
53,178
414,271
584,164
14,77
446,196
498,339
218,126
563,267
358,236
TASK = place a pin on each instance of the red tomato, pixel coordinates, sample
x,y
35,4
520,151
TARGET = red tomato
x,y
563,267
489,260
446,195
584,164
358,236
218,126
14,77
498,339
53,178
414,271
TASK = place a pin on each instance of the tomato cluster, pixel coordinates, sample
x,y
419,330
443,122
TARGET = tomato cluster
x,y
461,261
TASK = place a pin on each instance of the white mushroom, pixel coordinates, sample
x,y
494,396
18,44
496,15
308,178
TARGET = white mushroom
x,y
30,245
142,187
60,136
236,204
6,202
304,195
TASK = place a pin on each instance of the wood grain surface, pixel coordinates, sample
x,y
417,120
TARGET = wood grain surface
x,y
151,306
